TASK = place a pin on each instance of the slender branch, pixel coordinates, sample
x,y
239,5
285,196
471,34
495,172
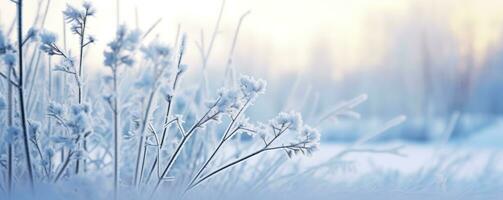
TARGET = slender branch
x,y
213,37
81,53
166,123
139,173
10,164
39,151
21,92
182,132
265,148
151,28
142,136
26,39
63,168
225,137
186,136
225,167
10,121
116,132
159,146
233,46
165,129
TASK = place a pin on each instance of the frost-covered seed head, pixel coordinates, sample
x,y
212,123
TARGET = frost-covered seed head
x,y
47,37
89,8
77,18
79,120
245,123
9,59
55,109
120,50
311,136
33,127
32,32
80,108
261,130
5,46
145,81
156,50
229,100
79,123
251,87
71,13
66,65
292,120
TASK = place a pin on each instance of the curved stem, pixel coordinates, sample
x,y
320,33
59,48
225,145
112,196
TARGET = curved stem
x,y
185,137
225,137
142,137
225,167
63,168
265,148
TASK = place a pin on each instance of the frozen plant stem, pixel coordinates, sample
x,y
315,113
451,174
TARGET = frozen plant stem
x,y
81,56
82,22
63,168
139,163
116,49
185,136
116,133
264,149
228,134
10,153
229,70
137,175
170,101
10,120
215,31
21,92
161,144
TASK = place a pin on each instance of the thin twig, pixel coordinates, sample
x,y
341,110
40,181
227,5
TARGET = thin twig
x,y
21,93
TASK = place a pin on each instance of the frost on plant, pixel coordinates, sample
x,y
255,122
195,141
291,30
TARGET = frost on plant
x,y
143,124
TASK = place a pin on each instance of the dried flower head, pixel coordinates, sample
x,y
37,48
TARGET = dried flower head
x,y
291,120
33,129
79,120
252,87
9,59
310,136
77,18
229,100
120,50
55,109
47,43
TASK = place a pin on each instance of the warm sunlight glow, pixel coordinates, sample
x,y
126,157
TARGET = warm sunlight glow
x,y
280,35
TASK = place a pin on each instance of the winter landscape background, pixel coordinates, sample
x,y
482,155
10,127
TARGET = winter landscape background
x,y
188,99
